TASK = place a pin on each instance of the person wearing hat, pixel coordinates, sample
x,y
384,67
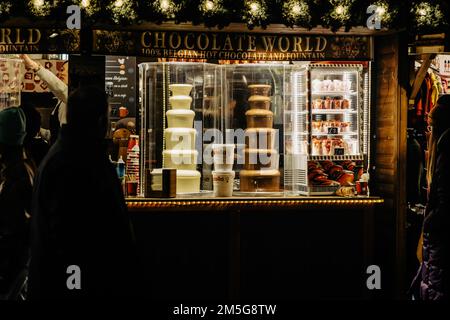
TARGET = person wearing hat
x,y
16,183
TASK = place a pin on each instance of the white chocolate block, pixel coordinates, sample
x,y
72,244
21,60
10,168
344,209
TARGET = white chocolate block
x,y
188,181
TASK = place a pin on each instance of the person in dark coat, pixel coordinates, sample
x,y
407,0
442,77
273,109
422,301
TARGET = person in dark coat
x,y
79,213
35,146
433,279
16,180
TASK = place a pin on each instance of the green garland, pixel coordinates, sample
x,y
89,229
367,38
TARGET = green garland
x,y
427,16
255,13
415,15
297,13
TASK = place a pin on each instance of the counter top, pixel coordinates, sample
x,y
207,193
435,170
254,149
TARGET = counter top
x,y
210,203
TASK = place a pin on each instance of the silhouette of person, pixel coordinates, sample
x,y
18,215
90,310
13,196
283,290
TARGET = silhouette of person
x,y
79,212
433,278
58,88
16,180
35,146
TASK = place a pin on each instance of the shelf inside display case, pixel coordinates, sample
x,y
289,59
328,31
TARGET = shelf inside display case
x,y
333,93
337,158
335,134
333,111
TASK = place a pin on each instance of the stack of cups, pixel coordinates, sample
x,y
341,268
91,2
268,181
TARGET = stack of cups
x,y
132,181
223,174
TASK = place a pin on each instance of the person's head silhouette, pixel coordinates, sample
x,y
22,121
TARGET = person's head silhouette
x,y
12,131
87,112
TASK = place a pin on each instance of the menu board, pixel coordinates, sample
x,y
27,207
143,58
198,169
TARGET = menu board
x,y
120,84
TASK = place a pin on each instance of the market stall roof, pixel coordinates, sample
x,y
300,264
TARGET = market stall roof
x,y
427,44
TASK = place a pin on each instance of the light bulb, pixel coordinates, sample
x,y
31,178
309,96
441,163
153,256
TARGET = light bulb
x,y
118,3
381,11
254,7
422,12
85,3
165,4
209,5
296,9
340,9
38,3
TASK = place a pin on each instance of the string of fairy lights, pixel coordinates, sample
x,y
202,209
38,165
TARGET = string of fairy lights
x,y
411,14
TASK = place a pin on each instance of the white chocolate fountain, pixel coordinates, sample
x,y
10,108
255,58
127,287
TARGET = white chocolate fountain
x,y
180,150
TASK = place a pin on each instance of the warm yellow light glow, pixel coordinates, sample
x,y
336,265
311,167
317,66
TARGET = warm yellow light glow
x,y
283,203
38,3
423,12
254,7
118,3
165,4
296,9
340,10
381,11
209,5
85,3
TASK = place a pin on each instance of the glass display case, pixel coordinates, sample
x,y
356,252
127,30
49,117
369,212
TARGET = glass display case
x,y
297,129
338,128
179,101
255,96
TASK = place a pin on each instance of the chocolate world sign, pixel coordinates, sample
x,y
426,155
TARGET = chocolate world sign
x,y
36,40
232,46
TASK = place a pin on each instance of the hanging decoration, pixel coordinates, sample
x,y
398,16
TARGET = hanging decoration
x,y
341,11
414,15
426,15
90,7
211,8
255,13
339,14
386,12
123,11
41,8
168,9
5,7
296,12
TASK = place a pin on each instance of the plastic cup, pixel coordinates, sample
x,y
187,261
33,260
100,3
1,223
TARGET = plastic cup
x,y
361,188
223,182
132,187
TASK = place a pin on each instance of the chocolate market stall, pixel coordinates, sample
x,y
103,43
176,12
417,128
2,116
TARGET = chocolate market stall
x,y
301,105
262,241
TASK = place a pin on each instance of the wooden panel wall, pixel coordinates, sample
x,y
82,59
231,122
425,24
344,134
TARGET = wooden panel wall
x,y
390,107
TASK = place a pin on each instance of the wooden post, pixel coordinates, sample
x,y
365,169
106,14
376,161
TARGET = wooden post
x,y
420,76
